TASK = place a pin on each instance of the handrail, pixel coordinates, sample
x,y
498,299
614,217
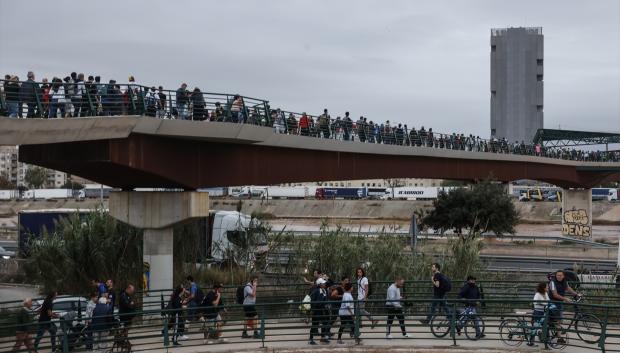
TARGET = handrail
x,y
104,99
498,322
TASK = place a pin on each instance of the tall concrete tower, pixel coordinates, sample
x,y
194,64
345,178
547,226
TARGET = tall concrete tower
x,y
516,83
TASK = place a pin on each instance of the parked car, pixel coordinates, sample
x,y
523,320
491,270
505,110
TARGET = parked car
x,y
6,254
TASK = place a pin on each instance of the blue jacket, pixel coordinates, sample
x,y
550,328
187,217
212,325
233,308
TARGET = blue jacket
x,y
102,317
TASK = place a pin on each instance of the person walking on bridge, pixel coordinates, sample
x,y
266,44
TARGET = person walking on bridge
x,y
393,303
363,291
441,287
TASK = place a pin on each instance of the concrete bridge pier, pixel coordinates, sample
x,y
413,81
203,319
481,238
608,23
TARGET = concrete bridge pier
x,y
157,213
577,212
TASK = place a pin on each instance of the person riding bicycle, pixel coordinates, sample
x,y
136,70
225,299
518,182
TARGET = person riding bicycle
x,y
470,295
559,288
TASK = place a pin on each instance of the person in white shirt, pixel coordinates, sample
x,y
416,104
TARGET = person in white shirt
x,y
394,307
541,300
346,312
362,295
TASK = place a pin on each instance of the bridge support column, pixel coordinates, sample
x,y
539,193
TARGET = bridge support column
x,y
577,212
157,213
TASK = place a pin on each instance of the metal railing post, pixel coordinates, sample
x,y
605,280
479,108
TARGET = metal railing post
x,y
65,337
545,330
357,323
601,340
262,327
132,104
267,114
91,107
165,330
453,324
39,105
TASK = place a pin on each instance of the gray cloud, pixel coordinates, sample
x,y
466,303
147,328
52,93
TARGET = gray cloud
x,y
423,63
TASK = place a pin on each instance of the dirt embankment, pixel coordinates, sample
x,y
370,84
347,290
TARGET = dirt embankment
x,y
531,212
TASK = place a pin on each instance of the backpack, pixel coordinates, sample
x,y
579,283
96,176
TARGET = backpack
x,y
240,294
445,284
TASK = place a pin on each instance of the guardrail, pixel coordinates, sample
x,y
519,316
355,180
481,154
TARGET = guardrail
x,y
503,322
82,99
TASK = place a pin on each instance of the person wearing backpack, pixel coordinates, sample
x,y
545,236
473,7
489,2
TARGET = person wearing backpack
x,y
441,287
249,308
363,291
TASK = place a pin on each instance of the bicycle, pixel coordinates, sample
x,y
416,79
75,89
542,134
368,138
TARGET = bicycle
x,y
587,326
466,319
121,340
514,331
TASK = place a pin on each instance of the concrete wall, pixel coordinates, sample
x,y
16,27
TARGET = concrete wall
x,y
577,213
516,83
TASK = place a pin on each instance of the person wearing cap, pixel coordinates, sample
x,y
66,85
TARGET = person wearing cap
x,y
320,316
101,323
213,304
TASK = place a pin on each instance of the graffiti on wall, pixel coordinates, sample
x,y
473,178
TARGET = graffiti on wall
x,y
576,223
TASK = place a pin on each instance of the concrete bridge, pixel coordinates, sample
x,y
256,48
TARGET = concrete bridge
x,y
133,151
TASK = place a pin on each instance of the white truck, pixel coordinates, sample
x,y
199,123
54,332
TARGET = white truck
x,y
411,193
46,194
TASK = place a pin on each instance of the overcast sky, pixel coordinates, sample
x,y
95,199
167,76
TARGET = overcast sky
x,y
423,63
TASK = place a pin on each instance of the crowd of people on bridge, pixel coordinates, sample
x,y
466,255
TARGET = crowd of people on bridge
x,y
77,95
326,303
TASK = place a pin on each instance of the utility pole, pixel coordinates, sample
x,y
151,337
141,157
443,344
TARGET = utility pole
x,y
413,233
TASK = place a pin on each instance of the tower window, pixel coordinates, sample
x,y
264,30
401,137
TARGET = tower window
x,y
539,108
493,93
539,62
539,77
493,48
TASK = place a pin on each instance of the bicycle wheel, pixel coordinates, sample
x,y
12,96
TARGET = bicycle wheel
x,y
558,338
440,326
470,327
589,328
511,332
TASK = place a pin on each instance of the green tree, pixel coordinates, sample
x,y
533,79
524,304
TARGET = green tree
x,y
36,177
82,248
485,207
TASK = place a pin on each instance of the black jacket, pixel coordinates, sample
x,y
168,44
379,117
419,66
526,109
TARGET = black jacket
x,y
318,298
471,294
28,92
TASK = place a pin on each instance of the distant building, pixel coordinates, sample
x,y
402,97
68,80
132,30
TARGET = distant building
x,y
15,171
516,83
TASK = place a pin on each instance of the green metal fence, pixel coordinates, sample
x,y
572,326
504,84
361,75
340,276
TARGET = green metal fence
x,y
583,327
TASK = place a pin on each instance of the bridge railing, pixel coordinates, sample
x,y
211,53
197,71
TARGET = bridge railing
x,y
502,322
60,99
85,99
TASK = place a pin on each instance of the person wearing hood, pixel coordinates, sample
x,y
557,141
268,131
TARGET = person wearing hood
x,y
470,295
